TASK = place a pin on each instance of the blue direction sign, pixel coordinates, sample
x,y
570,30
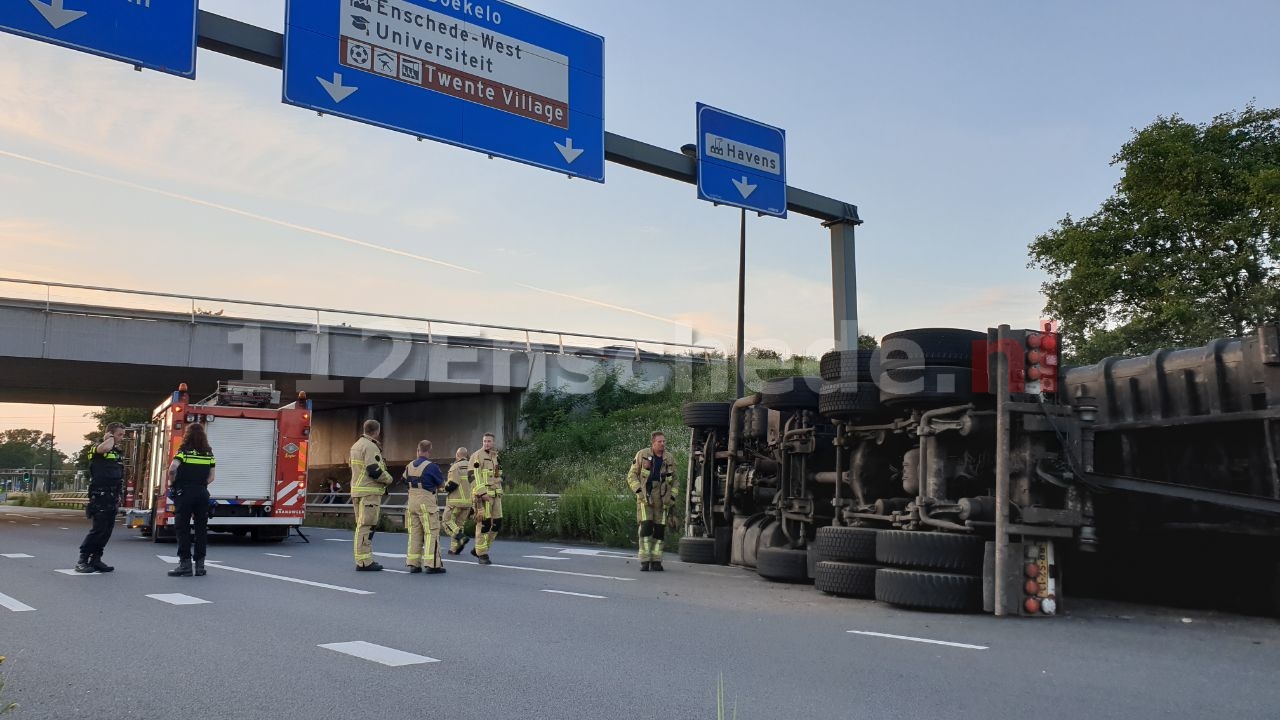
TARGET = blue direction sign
x,y
155,34
480,74
741,162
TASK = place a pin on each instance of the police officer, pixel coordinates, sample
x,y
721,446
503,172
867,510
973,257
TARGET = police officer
x,y
190,474
423,512
652,479
458,504
106,477
486,495
369,481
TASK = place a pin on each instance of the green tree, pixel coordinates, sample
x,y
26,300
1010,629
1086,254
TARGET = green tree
x,y
24,448
104,417
867,342
1184,251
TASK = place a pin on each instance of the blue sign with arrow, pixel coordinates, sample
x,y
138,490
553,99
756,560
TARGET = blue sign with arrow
x,y
155,34
480,74
741,162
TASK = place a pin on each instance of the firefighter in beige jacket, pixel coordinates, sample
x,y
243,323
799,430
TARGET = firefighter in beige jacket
x,y
459,504
369,481
652,479
486,493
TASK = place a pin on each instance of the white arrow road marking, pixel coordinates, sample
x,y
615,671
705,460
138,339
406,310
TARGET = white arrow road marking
x,y
310,583
568,151
55,14
920,640
178,599
14,605
336,89
584,595
518,567
378,653
744,186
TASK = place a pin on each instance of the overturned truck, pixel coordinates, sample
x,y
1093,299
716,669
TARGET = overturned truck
x,y
953,470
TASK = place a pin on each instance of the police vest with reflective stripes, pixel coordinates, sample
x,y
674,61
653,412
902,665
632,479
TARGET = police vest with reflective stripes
x,y
105,466
194,467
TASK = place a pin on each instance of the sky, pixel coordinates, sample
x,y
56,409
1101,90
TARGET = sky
x,y
960,130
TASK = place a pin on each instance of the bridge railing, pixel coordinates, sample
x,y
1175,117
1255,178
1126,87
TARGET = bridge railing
x,y
64,297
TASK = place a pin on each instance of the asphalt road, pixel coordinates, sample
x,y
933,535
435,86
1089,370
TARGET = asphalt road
x,y
564,632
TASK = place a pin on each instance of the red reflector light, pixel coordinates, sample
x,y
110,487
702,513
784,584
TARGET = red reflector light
x,y
1035,357
1034,340
1033,373
1049,385
1049,343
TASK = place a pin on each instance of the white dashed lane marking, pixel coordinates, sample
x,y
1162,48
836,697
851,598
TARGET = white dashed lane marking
x,y
178,599
14,604
582,595
965,646
378,653
15,556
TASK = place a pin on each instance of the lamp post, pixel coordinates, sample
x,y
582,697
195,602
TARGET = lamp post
x,y
48,480
692,151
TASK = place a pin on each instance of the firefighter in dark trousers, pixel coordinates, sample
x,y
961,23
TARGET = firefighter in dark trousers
x,y
106,476
486,494
458,504
652,479
423,512
369,481
190,474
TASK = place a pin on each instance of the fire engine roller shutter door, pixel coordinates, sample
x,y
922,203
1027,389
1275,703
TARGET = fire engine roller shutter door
x,y
245,449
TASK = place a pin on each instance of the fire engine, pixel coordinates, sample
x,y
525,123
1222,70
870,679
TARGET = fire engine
x,y
260,486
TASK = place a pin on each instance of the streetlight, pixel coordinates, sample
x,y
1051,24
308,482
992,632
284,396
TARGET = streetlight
x,y
692,151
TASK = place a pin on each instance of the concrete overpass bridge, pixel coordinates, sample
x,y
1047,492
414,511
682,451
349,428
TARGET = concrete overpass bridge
x,y
421,377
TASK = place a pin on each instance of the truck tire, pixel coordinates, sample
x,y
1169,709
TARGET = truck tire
x,y
932,346
851,365
849,400
926,550
846,579
706,414
942,592
942,386
783,564
792,393
837,543
698,550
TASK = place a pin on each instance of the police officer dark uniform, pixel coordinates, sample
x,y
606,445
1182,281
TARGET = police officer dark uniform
x,y
106,477
190,474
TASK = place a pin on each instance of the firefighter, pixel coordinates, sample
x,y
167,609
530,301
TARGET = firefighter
x,y
190,474
106,477
458,505
369,481
652,479
423,512
486,477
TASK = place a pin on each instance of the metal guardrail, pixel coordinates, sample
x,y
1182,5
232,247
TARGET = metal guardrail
x,y
80,497
196,313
